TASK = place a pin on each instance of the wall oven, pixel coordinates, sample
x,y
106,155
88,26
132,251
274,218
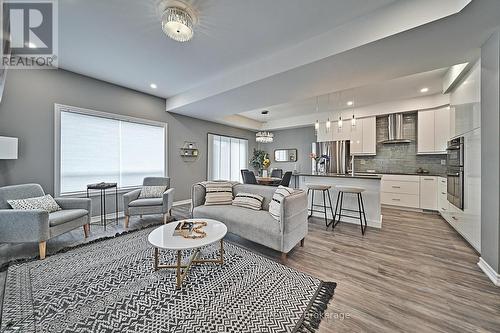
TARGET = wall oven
x,y
455,172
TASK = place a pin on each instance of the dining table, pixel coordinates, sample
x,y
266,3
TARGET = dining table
x,y
268,180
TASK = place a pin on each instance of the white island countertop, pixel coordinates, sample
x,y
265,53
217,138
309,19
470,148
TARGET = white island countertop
x,y
371,195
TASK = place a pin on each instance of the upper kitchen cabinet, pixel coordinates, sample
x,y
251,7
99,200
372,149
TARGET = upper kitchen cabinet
x,y
323,135
363,137
433,131
343,133
465,103
334,133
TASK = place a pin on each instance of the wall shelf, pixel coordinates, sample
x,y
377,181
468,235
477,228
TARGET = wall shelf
x,y
189,150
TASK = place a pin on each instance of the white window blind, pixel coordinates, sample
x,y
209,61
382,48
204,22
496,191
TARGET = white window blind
x,y
99,149
226,157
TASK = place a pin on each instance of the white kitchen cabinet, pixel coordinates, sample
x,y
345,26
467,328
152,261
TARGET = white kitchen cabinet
x,y
442,194
441,130
400,190
425,132
356,146
370,136
363,136
323,135
339,134
428,193
433,131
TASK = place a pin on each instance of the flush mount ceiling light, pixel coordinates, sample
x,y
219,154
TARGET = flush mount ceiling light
x,y
350,103
153,86
264,137
424,90
177,20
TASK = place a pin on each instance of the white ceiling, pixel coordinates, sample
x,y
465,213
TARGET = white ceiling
x,y
391,90
121,41
251,55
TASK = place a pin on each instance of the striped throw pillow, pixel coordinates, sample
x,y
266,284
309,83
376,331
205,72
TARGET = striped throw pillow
x,y
248,200
218,193
278,196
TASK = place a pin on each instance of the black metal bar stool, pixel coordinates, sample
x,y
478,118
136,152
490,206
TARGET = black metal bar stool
x,y
361,206
325,189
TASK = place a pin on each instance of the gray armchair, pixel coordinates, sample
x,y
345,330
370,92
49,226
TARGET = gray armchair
x,y
24,226
134,206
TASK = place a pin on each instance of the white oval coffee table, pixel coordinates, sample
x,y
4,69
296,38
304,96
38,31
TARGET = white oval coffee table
x,y
163,238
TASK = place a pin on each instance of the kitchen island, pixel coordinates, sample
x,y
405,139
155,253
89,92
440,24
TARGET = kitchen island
x,y
371,195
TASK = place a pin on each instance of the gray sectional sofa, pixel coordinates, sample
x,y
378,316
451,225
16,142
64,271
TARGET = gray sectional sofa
x,y
258,226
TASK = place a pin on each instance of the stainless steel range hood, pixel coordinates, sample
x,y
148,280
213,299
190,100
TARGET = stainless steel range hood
x,y
396,134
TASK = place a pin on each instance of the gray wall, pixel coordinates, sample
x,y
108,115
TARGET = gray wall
x,y
299,138
490,151
399,158
27,112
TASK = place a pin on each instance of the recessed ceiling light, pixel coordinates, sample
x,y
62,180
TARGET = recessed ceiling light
x,y
424,90
350,103
153,86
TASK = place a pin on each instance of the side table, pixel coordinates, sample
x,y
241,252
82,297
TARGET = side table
x,y
102,187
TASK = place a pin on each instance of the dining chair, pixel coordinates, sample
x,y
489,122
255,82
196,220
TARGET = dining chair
x,y
277,173
248,177
285,181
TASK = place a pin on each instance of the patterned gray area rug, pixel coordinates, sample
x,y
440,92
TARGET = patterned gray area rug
x,y
110,286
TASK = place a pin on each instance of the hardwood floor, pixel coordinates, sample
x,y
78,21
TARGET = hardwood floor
x,y
414,275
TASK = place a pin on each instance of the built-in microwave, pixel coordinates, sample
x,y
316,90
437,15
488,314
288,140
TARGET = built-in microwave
x,y
455,152
455,172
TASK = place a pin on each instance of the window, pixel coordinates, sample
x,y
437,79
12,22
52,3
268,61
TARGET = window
x,y
94,147
226,157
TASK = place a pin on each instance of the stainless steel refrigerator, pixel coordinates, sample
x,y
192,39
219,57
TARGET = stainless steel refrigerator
x,y
332,157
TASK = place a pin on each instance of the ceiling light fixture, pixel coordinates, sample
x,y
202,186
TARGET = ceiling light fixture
x,y
153,86
178,20
350,103
264,137
424,90
316,125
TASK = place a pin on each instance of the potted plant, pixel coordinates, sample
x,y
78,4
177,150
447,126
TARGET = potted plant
x,y
257,161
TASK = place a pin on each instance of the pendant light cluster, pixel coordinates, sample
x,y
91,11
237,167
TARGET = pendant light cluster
x,y
340,122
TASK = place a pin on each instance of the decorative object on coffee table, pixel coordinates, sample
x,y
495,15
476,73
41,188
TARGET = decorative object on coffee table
x,y
164,237
110,286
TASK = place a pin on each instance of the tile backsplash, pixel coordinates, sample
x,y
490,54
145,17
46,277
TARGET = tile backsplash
x,y
399,157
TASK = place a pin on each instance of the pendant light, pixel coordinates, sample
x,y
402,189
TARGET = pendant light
x,y
339,123
328,123
316,125
350,103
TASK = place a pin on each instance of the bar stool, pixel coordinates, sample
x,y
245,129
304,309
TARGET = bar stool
x,y
361,207
323,189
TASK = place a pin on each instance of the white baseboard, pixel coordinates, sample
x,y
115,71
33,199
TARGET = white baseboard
x,y
181,202
489,271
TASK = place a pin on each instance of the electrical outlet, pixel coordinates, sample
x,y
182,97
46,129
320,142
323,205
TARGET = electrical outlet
x,y
443,162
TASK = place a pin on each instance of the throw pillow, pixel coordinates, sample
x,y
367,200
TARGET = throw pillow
x,y
148,192
248,200
275,204
46,203
218,193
